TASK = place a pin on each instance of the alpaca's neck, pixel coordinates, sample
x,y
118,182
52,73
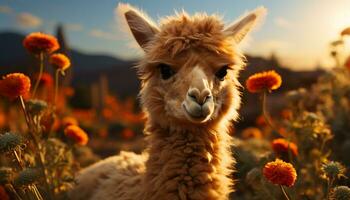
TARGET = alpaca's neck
x,y
188,164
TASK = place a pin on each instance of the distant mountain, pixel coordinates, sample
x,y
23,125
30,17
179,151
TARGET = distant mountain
x,y
84,61
13,56
13,53
87,68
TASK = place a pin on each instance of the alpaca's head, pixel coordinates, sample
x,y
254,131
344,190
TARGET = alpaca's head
x,y
190,68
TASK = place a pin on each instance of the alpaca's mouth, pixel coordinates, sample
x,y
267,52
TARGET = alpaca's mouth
x,y
198,117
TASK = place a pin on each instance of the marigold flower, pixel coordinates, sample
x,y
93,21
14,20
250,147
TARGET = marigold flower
x,y
59,61
252,132
68,91
264,81
37,43
77,134
281,146
127,133
3,194
67,121
14,85
345,31
286,114
3,119
280,173
347,63
260,121
46,80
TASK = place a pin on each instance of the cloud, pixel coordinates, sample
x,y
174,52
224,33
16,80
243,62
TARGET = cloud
x,y
27,20
5,10
73,27
282,23
97,33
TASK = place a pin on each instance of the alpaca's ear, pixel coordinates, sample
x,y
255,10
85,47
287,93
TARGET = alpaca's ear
x,y
141,27
239,29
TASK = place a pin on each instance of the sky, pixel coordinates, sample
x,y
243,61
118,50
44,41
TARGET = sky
x,y
298,32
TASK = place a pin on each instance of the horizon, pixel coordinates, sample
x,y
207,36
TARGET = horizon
x,y
289,30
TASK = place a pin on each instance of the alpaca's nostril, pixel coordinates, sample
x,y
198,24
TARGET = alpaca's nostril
x,y
206,99
192,96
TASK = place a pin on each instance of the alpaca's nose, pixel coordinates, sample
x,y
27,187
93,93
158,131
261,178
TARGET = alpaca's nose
x,y
198,105
199,97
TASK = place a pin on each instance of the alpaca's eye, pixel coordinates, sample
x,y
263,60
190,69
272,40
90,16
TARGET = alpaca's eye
x,y
221,73
166,71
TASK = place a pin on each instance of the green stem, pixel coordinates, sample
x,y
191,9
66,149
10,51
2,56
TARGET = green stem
x,y
284,192
26,115
38,146
36,192
289,150
265,112
18,159
46,176
269,122
41,58
322,146
56,86
329,186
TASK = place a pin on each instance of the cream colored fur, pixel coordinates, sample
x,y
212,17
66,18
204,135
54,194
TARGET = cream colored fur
x,y
187,157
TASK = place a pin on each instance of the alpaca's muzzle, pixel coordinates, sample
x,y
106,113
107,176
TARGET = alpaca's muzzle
x,y
197,105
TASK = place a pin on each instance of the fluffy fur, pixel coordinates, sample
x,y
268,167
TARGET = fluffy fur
x,y
186,158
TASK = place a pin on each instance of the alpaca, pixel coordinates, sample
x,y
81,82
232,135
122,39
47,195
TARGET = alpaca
x,y
190,96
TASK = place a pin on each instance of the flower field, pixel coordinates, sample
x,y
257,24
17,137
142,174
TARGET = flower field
x,y
302,153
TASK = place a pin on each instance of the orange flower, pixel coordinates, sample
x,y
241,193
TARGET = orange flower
x,y
67,121
286,114
347,63
127,133
46,79
251,132
14,85
108,114
264,81
280,147
40,43
280,173
3,119
260,121
68,91
77,134
3,194
346,31
59,61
